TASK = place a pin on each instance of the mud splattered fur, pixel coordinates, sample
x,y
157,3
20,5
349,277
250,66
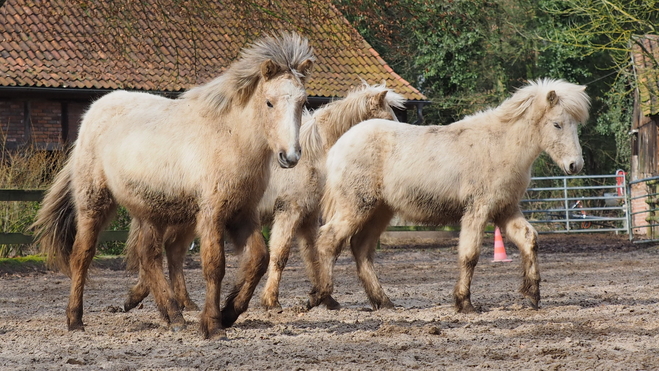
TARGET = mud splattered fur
x,y
470,172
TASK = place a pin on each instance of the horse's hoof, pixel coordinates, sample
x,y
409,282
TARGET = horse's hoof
x,y
535,304
331,304
314,300
387,304
465,308
229,317
210,328
190,306
76,326
269,304
217,334
176,327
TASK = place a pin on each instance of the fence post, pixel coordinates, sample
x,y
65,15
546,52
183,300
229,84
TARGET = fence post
x,y
567,205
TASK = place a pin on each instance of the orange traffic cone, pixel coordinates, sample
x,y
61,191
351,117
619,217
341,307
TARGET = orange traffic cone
x,y
499,249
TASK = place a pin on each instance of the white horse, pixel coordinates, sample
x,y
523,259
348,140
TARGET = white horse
x,y
473,171
291,202
201,160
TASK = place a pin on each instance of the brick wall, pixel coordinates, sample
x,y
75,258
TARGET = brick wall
x,y
12,123
639,206
44,128
46,123
75,113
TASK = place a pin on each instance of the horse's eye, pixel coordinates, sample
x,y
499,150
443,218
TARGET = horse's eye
x,y
269,103
557,125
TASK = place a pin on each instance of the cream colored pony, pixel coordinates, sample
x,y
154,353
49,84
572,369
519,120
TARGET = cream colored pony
x,y
292,200
473,171
201,160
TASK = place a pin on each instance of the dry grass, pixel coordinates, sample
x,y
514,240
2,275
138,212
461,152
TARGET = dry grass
x,y
26,168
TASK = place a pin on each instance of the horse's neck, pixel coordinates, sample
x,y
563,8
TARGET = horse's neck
x,y
521,142
335,119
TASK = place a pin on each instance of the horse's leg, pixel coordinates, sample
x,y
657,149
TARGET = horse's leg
x,y
471,238
176,247
95,209
253,265
307,233
525,237
82,254
331,238
363,246
150,255
140,290
281,237
213,266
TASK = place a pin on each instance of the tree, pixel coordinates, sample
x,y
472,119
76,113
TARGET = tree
x,y
608,28
466,55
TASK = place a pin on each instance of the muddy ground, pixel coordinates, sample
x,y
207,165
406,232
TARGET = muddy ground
x,y
599,311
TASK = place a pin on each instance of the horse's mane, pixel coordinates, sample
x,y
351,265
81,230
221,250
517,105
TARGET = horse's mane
x,y
571,97
338,116
237,83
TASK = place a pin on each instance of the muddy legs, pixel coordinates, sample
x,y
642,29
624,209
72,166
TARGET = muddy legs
x,y
363,246
471,238
150,258
522,234
253,265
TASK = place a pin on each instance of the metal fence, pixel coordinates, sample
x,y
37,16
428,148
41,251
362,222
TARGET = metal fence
x,y
562,204
578,204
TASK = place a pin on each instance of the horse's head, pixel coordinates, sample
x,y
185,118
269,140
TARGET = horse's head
x,y
382,104
559,127
280,99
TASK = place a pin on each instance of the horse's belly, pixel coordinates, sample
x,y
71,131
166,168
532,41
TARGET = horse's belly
x,y
160,207
427,208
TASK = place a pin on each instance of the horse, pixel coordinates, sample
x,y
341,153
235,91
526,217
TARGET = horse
x,y
201,160
291,203
470,172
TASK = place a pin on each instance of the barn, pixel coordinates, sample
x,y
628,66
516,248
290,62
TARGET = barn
x,y
58,56
645,137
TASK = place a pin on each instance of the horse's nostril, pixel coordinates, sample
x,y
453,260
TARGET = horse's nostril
x,y
573,167
282,158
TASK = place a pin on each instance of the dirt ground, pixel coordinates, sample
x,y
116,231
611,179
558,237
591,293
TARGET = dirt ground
x,y
599,311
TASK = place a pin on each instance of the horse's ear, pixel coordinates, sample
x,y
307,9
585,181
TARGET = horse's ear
x,y
305,67
269,69
552,98
379,99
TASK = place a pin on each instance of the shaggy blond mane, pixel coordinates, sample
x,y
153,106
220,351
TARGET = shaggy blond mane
x,y
571,97
235,86
337,117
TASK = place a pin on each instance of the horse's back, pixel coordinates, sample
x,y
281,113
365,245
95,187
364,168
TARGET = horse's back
x,y
402,165
138,142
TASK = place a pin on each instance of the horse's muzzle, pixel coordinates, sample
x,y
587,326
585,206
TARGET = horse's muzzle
x,y
289,160
574,167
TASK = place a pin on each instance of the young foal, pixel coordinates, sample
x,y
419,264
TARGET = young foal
x,y
201,160
472,171
291,202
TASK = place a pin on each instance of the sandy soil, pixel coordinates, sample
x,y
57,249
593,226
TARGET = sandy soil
x,y
599,312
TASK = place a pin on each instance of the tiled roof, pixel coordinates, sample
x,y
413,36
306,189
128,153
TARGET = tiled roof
x,y
172,45
647,73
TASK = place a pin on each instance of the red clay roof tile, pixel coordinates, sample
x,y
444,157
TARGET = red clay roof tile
x,y
169,47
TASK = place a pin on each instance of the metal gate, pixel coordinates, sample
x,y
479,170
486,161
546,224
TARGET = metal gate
x,y
578,204
644,215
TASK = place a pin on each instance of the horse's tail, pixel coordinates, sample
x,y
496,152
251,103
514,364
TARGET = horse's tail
x,y
55,226
130,250
328,205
